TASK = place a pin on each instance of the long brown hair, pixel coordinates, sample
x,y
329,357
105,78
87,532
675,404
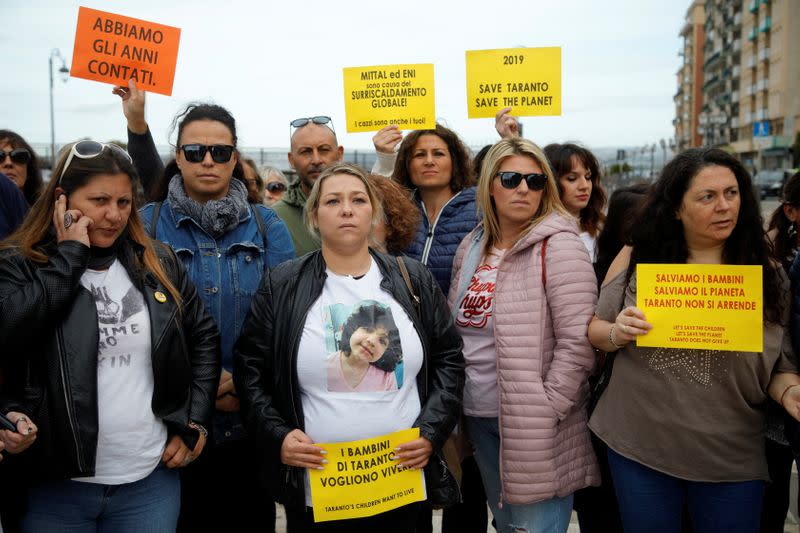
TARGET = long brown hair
x,y
560,156
30,237
462,175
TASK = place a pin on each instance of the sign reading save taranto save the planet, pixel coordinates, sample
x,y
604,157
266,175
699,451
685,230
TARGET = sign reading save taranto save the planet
x,y
711,307
362,478
526,79
113,49
377,96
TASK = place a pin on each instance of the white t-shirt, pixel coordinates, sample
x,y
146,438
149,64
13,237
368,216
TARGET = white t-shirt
x,y
340,409
475,322
130,438
591,245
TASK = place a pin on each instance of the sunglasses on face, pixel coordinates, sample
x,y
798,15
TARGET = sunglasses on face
x,y
19,156
195,153
319,119
88,150
276,186
511,180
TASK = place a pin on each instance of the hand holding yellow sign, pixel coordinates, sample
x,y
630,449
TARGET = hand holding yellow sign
x,y
362,478
375,97
712,307
527,79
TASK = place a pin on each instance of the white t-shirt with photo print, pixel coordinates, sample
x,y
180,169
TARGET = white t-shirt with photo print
x,y
332,416
130,437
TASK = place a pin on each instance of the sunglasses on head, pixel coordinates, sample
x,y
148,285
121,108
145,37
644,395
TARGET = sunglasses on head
x,y
511,180
320,119
276,186
195,153
88,150
19,156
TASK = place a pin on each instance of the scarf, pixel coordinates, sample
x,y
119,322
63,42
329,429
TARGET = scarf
x,y
216,217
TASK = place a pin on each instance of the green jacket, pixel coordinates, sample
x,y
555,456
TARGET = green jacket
x,y
290,209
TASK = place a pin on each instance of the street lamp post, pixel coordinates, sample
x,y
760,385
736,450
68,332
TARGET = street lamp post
x,y
64,71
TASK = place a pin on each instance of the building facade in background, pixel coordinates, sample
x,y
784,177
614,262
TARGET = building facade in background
x,y
743,92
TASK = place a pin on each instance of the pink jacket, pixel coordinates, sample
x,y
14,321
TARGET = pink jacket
x,y
543,358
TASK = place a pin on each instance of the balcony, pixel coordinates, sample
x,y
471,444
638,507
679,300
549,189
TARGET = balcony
x,y
737,71
711,59
753,6
737,19
735,122
735,96
737,45
762,85
753,34
766,25
751,62
748,118
763,54
751,89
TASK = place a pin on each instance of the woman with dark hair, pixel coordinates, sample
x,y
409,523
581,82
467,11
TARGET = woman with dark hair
x,y
578,178
226,245
435,165
623,207
785,242
281,360
253,181
20,164
686,426
107,346
369,352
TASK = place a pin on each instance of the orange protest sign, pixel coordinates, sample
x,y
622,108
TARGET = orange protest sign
x,y
114,49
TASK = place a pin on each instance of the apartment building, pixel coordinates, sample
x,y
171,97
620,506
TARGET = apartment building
x,y
689,97
748,83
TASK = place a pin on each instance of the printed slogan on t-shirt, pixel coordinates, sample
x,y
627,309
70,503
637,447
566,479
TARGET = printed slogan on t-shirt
x,y
377,96
526,79
113,49
362,478
710,307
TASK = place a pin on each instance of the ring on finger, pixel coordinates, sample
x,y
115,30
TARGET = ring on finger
x,y
68,219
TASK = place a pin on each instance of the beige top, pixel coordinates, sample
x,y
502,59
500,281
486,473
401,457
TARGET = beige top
x,y
694,414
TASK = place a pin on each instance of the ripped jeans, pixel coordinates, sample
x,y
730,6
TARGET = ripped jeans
x,y
548,516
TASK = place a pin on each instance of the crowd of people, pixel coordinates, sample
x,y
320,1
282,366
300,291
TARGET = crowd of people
x,y
177,338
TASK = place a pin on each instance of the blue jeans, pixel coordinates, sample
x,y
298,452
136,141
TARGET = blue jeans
x,y
149,505
548,516
652,502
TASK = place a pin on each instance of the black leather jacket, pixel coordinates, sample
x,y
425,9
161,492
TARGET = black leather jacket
x,y
265,364
49,338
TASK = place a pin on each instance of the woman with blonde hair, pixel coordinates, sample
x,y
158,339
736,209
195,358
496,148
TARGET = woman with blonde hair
x,y
293,395
522,293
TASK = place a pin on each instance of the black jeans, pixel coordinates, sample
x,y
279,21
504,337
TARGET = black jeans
x,y
776,496
220,491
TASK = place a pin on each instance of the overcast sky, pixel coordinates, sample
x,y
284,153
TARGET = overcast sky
x,y
269,62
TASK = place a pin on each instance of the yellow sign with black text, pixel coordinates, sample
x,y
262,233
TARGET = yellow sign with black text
x,y
377,96
526,79
708,307
362,478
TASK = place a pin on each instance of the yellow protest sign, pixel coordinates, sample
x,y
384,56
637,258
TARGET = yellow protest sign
x,y
710,307
361,479
526,79
375,97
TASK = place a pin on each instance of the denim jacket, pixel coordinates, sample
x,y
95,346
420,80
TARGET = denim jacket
x,y
226,272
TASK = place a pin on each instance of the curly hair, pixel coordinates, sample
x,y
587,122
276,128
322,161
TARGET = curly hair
x,y
658,235
462,175
560,156
371,316
401,216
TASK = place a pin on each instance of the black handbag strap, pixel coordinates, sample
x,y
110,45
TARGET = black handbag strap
x,y
407,279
